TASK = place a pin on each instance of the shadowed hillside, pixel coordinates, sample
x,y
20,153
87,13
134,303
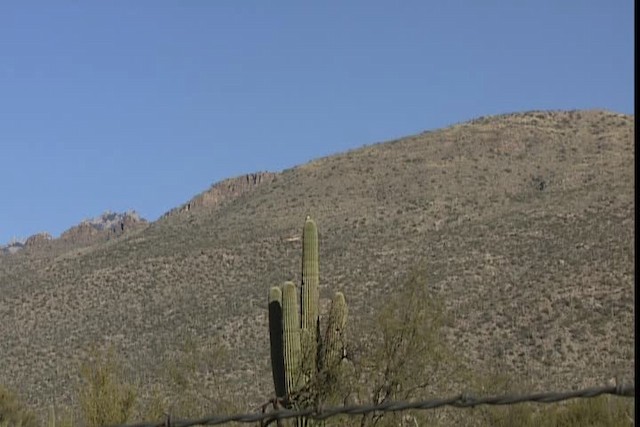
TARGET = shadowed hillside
x,y
524,223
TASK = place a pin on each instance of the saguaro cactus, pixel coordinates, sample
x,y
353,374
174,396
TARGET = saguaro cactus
x,y
301,358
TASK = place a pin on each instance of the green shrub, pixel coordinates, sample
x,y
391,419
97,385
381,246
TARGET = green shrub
x,y
105,398
405,355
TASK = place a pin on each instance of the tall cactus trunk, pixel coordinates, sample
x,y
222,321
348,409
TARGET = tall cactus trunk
x,y
309,297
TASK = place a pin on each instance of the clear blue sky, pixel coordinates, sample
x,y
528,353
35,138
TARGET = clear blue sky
x,y
117,105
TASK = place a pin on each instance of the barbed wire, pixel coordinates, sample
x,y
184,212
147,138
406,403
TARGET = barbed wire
x,y
463,400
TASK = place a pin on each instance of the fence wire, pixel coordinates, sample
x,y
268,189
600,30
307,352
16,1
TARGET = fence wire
x,y
464,400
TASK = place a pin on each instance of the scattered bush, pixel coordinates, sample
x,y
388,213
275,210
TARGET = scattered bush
x,y
105,398
603,411
405,354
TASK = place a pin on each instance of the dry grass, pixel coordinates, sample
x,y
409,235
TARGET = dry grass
x,y
13,413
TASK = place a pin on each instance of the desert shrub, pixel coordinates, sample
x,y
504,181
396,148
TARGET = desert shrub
x,y
14,413
187,384
60,417
185,387
603,411
404,356
105,397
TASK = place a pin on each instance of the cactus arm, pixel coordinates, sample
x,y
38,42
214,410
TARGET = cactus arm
x,y
334,340
291,326
276,340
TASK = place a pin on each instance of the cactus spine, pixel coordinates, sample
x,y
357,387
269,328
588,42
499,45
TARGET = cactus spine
x,y
303,360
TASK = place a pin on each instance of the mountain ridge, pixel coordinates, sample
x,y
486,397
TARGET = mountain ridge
x,y
225,188
106,226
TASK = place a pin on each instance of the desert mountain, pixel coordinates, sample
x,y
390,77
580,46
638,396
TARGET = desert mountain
x,y
524,223
104,227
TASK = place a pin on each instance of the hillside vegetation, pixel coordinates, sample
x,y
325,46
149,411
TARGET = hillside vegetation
x,y
522,223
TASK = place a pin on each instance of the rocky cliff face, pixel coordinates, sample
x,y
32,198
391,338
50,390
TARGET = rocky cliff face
x,y
35,242
225,190
106,226
38,240
12,247
113,224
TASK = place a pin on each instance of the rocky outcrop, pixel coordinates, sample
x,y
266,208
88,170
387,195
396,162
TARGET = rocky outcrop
x,y
106,226
12,247
128,221
38,241
225,190
81,233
